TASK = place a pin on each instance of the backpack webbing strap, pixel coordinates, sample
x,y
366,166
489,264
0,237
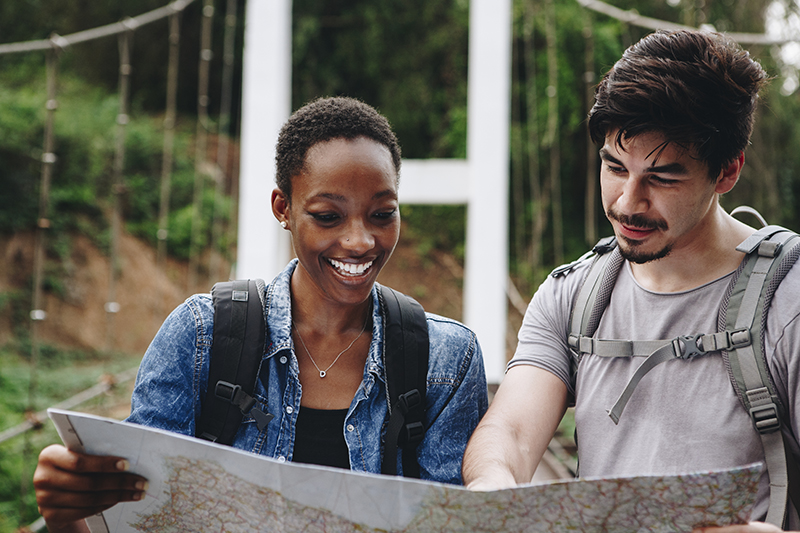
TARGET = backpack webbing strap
x,y
236,351
772,250
406,363
595,290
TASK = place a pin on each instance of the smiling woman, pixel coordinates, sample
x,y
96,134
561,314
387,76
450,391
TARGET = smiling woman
x,y
337,173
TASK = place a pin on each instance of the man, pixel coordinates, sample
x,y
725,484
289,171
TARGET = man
x,y
673,118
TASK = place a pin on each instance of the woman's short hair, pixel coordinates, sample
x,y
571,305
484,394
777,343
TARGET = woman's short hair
x,y
698,89
326,119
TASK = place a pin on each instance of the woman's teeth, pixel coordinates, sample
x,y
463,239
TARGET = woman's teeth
x,y
350,269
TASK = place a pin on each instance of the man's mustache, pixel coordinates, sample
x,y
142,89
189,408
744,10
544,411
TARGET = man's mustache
x,y
637,221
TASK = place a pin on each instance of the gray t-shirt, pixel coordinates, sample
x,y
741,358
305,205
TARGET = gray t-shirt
x,y
684,415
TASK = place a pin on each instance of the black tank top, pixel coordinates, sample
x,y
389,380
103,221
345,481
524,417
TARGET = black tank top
x,y
319,438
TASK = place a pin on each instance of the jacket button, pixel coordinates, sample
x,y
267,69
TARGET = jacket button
x,y
281,459
283,359
350,427
289,409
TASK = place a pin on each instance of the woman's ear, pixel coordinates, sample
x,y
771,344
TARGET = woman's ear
x,y
281,208
729,175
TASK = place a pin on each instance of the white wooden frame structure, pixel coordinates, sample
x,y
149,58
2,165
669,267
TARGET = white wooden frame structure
x,y
480,181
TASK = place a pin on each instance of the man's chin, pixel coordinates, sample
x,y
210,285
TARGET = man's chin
x,y
634,253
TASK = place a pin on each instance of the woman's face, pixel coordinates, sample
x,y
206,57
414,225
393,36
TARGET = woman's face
x,y
344,218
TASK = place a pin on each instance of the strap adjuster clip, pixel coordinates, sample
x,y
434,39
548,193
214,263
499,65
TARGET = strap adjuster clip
x,y
765,418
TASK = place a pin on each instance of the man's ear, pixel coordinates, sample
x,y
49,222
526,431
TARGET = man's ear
x,y
280,207
729,174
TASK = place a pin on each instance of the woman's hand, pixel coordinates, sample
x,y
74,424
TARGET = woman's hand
x,y
71,486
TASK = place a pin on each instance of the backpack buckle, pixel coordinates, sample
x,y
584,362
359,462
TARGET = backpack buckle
x,y
235,395
412,432
765,418
739,338
688,346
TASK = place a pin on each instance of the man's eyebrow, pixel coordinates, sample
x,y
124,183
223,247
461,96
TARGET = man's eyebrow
x,y
669,168
606,155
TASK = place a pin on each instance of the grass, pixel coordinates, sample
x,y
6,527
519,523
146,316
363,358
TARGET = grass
x,y
60,375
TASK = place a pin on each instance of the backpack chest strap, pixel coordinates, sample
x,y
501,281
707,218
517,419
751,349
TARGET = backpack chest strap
x,y
655,353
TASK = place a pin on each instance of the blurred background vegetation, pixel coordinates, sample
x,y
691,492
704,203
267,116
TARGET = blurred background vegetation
x,y
408,58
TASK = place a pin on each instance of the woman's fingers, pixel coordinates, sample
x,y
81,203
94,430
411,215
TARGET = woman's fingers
x,y
71,486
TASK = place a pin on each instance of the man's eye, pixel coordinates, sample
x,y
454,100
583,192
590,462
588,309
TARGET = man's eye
x,y
663,181
615,169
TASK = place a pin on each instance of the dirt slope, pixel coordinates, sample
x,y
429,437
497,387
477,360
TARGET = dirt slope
x,y
76,317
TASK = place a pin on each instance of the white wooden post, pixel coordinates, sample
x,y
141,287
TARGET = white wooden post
x,y
488,109
481,181
263,247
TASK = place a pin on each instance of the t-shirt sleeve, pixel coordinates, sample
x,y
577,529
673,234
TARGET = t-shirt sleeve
x,y
783,349
542,339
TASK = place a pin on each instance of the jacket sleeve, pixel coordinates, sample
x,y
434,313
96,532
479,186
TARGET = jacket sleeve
x,y
173,373
456,399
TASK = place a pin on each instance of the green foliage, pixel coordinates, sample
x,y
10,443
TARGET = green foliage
x,y
408,58
60,374
436,227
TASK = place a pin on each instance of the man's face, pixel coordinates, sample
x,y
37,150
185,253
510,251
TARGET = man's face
x,y
658,201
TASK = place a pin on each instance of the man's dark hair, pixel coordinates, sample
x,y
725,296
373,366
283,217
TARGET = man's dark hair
x,y
698,89
326,119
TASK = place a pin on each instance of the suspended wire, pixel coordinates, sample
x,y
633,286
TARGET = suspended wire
x,y
96,33
633,18
37,313
221,175
169,138
118,185
201,142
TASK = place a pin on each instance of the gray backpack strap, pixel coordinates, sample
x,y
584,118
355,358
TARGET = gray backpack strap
x,y
771,253
593,296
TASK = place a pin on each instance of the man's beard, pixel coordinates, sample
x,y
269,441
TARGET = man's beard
x,y
628,247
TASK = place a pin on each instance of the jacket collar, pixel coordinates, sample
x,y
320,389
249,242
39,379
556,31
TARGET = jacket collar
x,y
279,320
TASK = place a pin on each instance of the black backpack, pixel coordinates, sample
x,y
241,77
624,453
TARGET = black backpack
x,y
238,345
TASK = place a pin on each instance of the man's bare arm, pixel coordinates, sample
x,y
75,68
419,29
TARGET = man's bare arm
x,y
509,442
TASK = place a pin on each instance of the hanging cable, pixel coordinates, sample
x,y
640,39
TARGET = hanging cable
x,y
223,135
169,138
201,142
38,314
118,184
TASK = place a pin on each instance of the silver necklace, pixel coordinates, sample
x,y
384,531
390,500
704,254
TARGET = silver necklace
x,y
323,373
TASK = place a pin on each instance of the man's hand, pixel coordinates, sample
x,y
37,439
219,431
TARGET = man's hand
x,y
752,527
71,486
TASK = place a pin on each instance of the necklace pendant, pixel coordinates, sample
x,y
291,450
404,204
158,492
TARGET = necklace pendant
x,y
322,373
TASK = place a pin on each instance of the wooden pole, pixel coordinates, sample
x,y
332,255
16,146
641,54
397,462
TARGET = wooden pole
x,y
221,175
201,142
169,137
118,183
38,314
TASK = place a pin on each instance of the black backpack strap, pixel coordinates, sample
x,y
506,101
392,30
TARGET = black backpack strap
x,y
236,352
406,349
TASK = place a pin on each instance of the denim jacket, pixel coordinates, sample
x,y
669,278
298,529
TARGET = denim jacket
x,y
173,378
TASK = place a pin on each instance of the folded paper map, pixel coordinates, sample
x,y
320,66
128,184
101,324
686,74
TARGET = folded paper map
x,y
202,487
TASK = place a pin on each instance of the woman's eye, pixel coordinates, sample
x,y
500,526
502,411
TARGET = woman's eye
x,y
386,215
325,217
